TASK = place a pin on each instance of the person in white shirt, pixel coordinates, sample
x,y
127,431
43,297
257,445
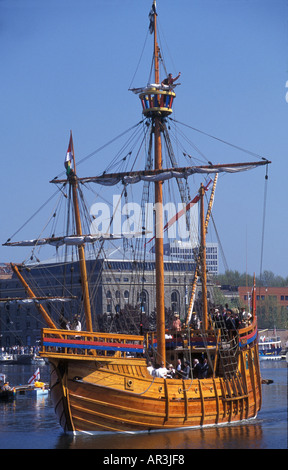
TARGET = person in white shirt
x,y
162,371
151,369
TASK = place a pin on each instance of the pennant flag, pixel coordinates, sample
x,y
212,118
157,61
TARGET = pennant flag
x,y
151,17
253,296
35,377
69,156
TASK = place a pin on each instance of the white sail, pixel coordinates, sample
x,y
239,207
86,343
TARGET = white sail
x,y
75,240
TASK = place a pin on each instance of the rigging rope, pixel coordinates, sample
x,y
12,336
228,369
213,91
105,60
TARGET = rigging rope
x,y
221,140
35,213
141,55
263,225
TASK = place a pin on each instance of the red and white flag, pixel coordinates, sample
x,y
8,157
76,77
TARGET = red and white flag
x,y
69,155
35,377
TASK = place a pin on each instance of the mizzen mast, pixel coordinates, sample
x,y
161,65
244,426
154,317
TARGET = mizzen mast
x,y
203,261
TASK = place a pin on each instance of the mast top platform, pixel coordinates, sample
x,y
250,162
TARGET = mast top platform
x,y
157,101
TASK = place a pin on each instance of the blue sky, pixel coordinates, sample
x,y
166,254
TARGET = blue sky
x,y
68,64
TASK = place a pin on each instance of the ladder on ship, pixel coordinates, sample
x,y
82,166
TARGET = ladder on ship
x,y
227,348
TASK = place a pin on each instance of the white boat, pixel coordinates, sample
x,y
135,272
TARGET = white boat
x,y
37,390
6,358
270,348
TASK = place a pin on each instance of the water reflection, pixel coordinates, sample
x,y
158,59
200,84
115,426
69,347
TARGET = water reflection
x,y
242,436
27,414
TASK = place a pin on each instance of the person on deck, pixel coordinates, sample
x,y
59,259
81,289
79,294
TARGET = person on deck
x,y
171,372
179,368
162,371
204,369
151,369
195,322
176,325
170,80
186,370
196,368
76,325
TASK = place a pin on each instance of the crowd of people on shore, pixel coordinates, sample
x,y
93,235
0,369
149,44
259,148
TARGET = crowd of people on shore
x,y
19,350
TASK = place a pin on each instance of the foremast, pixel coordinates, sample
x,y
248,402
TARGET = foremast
x,y
72,178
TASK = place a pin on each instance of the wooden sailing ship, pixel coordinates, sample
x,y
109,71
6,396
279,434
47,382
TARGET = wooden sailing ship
x,y
100,380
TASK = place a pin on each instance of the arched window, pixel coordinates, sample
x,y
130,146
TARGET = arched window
x,y
175,303
143,300
109,301
126,296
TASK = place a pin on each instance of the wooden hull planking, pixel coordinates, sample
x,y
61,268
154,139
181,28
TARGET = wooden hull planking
x,y
118,395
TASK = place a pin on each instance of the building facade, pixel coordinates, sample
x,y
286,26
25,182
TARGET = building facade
x,y
186,251
115,286
277,294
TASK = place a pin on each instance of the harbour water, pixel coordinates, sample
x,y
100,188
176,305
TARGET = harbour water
x,y
30,423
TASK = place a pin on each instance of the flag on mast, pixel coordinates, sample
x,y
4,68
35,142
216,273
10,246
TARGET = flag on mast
x,y
69,156
35,377
151,17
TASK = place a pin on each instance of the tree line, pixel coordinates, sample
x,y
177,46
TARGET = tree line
x,y
266,279
270,314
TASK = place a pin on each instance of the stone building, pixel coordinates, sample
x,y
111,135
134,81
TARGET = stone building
x,y
116,285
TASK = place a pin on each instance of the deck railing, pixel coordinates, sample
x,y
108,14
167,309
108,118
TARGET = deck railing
x,y
82,343
59,342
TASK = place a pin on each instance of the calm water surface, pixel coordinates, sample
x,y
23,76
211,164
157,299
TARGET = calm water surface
x,y
30,423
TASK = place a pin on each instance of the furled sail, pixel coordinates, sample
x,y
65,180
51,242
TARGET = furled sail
x,y
151,86
166,174
75,240
36,300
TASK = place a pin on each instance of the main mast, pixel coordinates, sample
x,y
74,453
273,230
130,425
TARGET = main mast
x,y
159,260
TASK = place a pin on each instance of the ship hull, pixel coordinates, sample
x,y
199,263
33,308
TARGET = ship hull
x,y
118,395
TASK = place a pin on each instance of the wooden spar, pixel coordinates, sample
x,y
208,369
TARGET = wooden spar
x,y
192,298
31,294
11,299
203,259
196,169
156,47
211,202
81,251
159,259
